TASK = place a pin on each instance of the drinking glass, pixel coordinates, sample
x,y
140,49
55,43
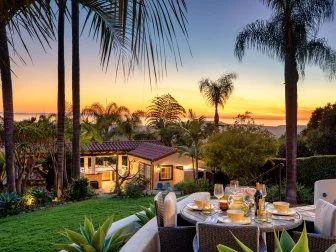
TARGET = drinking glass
x,y
234,186
218,191
264,191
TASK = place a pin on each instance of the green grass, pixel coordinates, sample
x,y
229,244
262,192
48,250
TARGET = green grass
x,y
38,231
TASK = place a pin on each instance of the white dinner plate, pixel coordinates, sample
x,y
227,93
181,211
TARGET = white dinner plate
x,y
284,213
193,206
243,221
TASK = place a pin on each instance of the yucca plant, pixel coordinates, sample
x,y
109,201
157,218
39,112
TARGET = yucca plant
x,y
92,240
148,214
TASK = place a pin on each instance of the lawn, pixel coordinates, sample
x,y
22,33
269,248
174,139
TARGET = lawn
x,y
38,231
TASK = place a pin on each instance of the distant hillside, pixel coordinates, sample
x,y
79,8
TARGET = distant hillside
x,y
279,130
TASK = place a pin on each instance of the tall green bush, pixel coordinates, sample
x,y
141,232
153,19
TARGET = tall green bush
x,y
309,169
240,150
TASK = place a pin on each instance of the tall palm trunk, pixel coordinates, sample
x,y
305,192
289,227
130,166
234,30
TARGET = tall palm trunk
x,y
7,99
291,79
60,99
196,161
216,115
75,91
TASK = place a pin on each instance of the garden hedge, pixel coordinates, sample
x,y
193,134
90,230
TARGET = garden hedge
x,y
309,169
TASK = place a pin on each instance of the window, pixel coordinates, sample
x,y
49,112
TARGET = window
x,y
166,172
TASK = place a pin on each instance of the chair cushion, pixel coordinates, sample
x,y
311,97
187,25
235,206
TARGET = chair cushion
x,y
170,210
325,218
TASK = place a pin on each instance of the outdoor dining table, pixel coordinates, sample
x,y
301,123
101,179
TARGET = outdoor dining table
x,y
194,216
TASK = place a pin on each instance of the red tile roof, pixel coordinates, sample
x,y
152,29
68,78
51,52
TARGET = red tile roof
x,y
152,151
115,146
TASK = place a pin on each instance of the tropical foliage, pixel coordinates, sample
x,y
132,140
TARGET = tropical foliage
x,y
17,17
285,243
8,202
98,240
194,132
290,36
146,215
163,114
217,92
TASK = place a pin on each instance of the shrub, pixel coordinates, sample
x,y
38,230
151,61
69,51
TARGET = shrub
x,y
239,150
90,239
309,169
134,190
79,189
9,203
304,194
191,186
42,195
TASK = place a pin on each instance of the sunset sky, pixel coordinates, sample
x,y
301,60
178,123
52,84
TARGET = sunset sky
x,y
213,26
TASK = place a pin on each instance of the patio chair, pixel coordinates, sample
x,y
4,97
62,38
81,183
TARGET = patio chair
x,y
210,235
159,186
168,187
322,234
172,237
325,189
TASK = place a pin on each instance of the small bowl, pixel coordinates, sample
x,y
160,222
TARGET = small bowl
x,y
235,215
281,206
201,203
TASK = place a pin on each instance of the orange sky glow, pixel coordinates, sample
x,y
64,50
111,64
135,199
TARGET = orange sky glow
x,y
258,89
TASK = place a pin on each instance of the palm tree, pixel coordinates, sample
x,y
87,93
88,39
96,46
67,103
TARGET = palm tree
x,y
105,118
60,99
163,115
217,92
31,16
290,36
76,130
195,130
131,122
127,26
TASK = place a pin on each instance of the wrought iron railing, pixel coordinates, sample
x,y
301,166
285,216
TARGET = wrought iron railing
x,y
279,167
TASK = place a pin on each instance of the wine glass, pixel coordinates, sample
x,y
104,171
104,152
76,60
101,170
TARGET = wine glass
x,y
263,191
234,186
218,191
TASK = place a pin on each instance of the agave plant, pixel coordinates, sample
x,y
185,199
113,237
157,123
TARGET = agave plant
x,y
286,243
148,214
8,202
93,240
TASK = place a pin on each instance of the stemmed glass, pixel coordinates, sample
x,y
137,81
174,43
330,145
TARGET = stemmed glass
x,y
234,186
264,194
218,191
263,191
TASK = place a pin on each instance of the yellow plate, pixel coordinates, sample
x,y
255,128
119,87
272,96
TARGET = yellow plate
x,y
284,213
193,206
243,221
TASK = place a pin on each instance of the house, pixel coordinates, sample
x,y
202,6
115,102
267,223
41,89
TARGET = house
x,y
156,162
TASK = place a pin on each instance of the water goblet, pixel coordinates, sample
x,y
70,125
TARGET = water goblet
x,y
234,186
218,191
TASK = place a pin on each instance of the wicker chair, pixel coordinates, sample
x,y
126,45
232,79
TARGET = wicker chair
x,y
174,239
210,235
316,242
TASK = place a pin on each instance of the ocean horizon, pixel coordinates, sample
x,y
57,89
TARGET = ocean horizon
x,y
272,123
